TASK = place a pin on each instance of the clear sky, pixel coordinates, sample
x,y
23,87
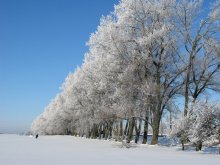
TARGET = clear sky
x,y
41,41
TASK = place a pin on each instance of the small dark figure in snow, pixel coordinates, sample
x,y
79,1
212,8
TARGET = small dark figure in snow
x,y
36,136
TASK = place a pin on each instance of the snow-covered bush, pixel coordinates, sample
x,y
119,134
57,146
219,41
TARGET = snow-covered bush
x,y
205,126
199,126
181,129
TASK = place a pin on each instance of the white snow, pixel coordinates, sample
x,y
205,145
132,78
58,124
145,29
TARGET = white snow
x,y
68,150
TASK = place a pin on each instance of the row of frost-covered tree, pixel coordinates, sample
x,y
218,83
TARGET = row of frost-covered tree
x,y
144,56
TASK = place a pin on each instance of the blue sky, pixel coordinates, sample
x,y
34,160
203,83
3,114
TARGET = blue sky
x,y
41,41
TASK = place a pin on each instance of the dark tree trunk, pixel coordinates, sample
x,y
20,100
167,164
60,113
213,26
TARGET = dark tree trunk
x,y
103,131
187,82
199,146
219,144
88,135
156,109
155,127
91,133
171,120
106,131
130,130
183,146
110,129
121,128
117,131
186,98
82,134
94,131
126,128
145,130
100,131
138,131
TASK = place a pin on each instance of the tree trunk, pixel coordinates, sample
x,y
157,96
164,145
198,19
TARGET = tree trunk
x,y
155,127
192,104
103,130
94,131
121,128
138,131
183,146
126,128
145,130
171,120
156,109
186,104
106,131
186,97
110,129
91,133
88,135
130,130
219,149
199,146
116,132
219,144
100,131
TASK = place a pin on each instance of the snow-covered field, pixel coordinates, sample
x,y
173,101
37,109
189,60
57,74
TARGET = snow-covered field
x,y
67,150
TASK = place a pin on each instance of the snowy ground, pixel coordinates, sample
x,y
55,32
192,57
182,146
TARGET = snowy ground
x,y
67,150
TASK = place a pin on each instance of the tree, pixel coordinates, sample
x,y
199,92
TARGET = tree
x,y
199,126
181,130
199,47
140,58
205,125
